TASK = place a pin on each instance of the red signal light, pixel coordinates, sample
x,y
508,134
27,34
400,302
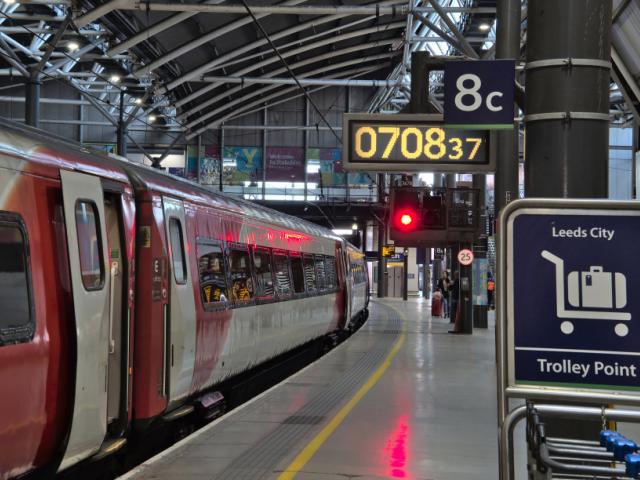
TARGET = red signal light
x,y
405,220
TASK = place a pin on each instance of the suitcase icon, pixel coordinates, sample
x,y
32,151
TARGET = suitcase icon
x,y
595,289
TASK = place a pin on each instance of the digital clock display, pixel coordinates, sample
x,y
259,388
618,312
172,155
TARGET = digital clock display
x,y
392,142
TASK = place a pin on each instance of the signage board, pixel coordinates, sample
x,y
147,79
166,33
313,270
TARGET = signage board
x,y
479,94
465,257
570,275
388,250
408,142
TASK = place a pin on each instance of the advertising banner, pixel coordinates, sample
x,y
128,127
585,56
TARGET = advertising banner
x,y
573,317
480,270
210,165
242,164
192,162
285,164
331,171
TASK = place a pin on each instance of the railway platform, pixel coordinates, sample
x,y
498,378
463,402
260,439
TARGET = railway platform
x,y
400,399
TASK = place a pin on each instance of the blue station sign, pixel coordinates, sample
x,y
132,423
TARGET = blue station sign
x,y
572,308
479,94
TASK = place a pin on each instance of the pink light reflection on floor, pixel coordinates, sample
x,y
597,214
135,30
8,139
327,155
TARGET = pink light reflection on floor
x,y
396,449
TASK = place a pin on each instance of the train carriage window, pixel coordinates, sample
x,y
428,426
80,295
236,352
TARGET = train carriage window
x,y
297,272
89,245
309,273
16,323
241,281
211,270
263,273
320,273
283,279
177,251
330,271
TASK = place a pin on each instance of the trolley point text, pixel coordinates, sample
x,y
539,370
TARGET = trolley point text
x,y
583,369
595,232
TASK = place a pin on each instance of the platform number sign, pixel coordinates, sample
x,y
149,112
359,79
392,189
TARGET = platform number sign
x,y
479,94
465,257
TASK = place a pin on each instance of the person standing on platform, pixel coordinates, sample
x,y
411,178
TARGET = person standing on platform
x,y
491,286
443,286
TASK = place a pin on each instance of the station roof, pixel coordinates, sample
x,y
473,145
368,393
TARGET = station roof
x,y
191,66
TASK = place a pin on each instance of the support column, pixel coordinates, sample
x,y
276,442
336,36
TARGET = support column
x,y
508,47
265,122
465,301
382,267
121,131
405,279
480,312
567,147
32,104
221,137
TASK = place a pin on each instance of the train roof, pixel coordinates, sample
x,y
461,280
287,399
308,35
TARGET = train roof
x,y
35,145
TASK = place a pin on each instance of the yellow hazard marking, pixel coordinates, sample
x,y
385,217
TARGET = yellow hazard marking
x,y
310,450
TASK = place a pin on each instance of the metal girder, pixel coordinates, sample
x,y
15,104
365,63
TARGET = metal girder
x,y
304,81
226,59
41,30
262,101
50,48
93,101
242,99
302,63
441,33
54,101
466,46
154,30
71,58
271,60
208,37
280,9
100,11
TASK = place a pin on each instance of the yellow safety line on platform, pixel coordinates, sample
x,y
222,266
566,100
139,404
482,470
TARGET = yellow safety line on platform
x,y
309,451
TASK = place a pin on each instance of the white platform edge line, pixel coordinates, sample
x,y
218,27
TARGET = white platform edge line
x,y
148,463
603,352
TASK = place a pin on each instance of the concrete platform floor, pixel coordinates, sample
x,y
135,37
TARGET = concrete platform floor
x,y
402,398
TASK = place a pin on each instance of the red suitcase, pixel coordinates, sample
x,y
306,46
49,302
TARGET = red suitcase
x,y
436,306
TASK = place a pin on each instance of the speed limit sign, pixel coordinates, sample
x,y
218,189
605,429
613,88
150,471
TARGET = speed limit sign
x,y
465,257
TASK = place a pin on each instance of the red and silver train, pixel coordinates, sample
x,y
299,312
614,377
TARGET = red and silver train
x,y
127,295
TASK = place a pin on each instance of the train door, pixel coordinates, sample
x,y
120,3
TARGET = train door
x,y
180,338
118,329
86,238
348,286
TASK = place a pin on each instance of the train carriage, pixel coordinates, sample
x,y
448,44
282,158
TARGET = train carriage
x,y
128,295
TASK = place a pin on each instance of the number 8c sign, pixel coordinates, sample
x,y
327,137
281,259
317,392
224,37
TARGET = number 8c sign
x,y
479,93
465,257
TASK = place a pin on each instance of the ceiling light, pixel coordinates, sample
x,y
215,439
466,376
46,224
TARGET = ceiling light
x,y
73,46
9,2
114,78
152,118
484,27
138,101
354,226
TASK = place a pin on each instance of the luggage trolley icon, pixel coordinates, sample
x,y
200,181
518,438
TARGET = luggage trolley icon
x,y
588,290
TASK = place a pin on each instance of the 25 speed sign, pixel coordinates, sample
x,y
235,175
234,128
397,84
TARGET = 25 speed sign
x,y
465,257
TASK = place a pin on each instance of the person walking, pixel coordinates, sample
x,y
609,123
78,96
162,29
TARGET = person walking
x,y
491,286
443,285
